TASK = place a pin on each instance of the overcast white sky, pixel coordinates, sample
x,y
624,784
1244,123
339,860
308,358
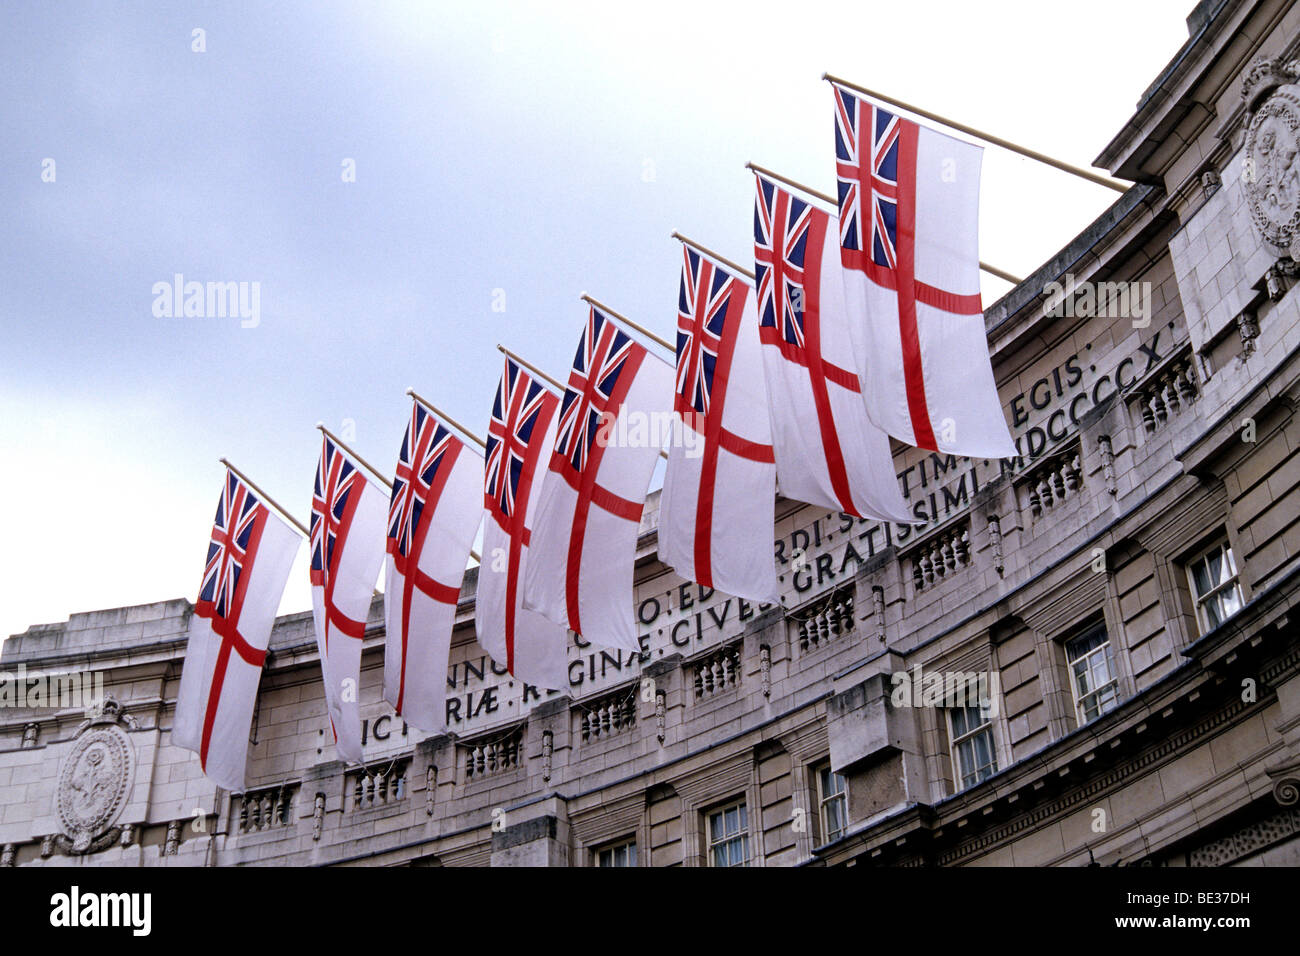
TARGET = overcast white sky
x,y
541,150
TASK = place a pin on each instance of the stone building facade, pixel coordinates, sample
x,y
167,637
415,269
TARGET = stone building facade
x,y
1121,597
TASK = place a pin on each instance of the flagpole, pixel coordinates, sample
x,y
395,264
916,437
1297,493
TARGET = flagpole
x,y
713,255
267,498
980,134
537,371
352,454
530,367
445,417
626,321
827,198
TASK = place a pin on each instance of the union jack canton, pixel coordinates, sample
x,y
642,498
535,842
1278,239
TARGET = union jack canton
x,y
871,217
337,480
232,531
780,243
515,413
424,446
600,359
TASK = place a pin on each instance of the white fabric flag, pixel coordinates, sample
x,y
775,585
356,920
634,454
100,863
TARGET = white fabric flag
x,y
909,243
828,452
348,518
718,506
579,571
432,519
248,564
520,437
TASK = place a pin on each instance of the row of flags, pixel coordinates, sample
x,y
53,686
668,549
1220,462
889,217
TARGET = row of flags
x,y
855,326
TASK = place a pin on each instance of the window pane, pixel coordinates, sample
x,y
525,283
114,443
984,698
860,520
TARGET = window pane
x,y
1100,670
1201,578
958,723
836,818
1214,568
1081,677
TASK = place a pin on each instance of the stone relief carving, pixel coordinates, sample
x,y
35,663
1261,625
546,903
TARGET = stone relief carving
x,y
94,781
1271,171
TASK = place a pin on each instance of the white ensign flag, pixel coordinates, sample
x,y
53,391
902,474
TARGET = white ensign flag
x,y
579,570
249,557
717,509
828,452
520,437
348,518
435,511
909,243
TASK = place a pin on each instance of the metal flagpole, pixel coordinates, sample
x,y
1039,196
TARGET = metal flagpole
x,y
980,134
530,367
827,198
354,456
628,322
267,498
538,372
713,255
445,417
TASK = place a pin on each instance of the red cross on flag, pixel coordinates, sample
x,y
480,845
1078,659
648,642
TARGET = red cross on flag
x,y
827,451
579,571
347,549
520,437
432,519
719,499
249,557
909,242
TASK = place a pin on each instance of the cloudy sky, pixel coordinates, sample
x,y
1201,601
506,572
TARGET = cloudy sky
x,y
505,155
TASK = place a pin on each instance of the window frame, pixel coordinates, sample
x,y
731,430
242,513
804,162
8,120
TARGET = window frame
x,y
955,740
842,795
740,803
1106,647
1221,544
627,843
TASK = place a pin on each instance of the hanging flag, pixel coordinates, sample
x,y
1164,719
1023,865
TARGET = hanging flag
x,y
519,441
579,571
718,505
347,550
827,451
248,564
909,243
432,519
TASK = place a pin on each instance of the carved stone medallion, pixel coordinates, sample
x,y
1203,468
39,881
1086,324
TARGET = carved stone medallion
x,y
1271,163
93,783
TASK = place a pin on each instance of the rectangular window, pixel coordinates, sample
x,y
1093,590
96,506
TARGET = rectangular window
x,y
618,854
1215,586
974,754
833,798
1092,674
729,835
